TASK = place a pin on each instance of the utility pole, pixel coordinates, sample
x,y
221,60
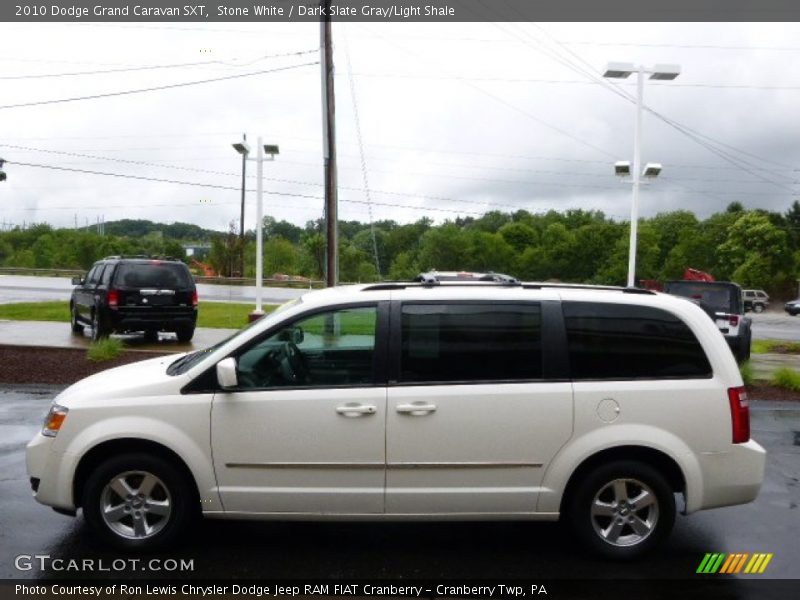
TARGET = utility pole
x,y
241,218
329,149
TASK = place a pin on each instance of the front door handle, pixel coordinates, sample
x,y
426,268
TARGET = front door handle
x,y
356,410
416,409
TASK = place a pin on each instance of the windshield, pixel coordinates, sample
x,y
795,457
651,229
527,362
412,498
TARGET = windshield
x,y
187,361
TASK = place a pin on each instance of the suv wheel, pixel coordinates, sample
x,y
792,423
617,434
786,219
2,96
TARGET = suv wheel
x,y
185,334
151,335
758,308
138,502
622,509
99,331
73,320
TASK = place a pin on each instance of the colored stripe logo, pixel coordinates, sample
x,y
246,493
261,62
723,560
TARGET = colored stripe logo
x,y
737,562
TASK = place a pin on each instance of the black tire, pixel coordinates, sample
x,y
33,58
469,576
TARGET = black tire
x,y
171,492
185,334
151,335
596,531
758,308
74,322
99,331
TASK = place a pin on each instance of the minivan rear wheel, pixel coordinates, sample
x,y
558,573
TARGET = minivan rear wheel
x,y
623,509
138,502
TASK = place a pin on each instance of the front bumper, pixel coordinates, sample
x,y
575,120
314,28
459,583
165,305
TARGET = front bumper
x,y
50,472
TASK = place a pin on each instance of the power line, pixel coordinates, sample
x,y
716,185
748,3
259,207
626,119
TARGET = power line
x,y
570,81
155,67
690,46
157,88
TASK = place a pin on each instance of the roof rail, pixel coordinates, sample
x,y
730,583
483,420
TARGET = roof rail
x,y
401,285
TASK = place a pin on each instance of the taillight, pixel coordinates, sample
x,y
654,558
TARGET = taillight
x,y
740,414
194,298
733,320
113,298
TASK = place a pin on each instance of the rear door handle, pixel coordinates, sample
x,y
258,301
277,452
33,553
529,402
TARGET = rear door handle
x,y
416,409
356,410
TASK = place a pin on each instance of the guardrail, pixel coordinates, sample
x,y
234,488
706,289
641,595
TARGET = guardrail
x,y
289,283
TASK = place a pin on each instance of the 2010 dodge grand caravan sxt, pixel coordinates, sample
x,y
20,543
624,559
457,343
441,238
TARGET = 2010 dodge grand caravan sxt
x,y
417,401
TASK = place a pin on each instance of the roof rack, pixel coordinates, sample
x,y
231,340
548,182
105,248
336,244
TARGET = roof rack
x,y
401,285
139,256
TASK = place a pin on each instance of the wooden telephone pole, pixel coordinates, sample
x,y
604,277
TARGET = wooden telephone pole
x,y
329,149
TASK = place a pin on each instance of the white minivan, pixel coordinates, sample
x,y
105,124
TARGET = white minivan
x,y
417,401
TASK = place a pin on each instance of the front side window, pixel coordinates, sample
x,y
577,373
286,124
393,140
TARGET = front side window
x,y
470,342
329,349
620,341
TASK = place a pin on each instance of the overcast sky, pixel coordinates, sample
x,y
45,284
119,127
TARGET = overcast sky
x,y
456,119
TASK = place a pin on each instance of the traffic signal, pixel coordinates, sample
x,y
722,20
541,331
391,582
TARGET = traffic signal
x,y
3,175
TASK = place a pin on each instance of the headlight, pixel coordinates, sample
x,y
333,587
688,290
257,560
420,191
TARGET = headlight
x,y
54,420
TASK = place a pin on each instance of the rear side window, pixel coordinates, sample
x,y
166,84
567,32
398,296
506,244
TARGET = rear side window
x,y
470,342
620,341
157,275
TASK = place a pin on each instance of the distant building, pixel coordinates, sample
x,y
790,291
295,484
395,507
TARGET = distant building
x,y
198,251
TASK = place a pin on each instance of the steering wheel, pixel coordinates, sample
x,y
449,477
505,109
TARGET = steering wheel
x,y
293,365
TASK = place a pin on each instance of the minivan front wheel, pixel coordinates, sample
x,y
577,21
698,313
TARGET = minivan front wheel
x,y
138,502
623,509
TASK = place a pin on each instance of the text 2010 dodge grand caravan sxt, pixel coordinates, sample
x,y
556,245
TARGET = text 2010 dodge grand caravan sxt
x,y
417,401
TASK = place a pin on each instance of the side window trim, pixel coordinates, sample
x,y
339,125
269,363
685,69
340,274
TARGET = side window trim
x,y
379,360
395,343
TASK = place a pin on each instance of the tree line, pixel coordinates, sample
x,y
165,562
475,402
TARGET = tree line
x,y
755,248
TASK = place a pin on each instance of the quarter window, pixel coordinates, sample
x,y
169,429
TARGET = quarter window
x,y
620,341
335,348
470,342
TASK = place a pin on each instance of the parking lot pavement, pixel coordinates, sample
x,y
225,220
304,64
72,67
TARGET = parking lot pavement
x,y
775,325
221,549
59,335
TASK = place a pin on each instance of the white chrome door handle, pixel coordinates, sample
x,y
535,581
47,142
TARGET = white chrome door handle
x,y
356,410
416,409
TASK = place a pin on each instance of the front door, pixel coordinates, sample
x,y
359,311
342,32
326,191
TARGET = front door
x,y
472,423
304,432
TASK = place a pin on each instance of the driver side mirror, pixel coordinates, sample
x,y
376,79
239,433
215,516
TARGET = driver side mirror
x,y
77,280
226,373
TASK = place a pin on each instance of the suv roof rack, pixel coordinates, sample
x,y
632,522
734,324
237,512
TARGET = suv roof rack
x,y
138,256
401,285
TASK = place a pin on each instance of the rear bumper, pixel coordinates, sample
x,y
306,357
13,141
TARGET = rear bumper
x,y
126,319
731,477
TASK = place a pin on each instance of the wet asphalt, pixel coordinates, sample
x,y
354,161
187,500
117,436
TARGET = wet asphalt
x,y
221,549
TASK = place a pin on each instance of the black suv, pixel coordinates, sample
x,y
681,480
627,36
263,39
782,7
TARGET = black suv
x,y
125,294
722,301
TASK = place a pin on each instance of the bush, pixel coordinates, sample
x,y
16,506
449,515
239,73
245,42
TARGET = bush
x,y
787,378
746,369
105,349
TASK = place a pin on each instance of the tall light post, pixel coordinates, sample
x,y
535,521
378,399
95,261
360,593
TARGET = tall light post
x,y
272,150
623,71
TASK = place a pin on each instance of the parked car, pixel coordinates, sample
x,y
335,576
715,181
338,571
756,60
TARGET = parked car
x,y
755,300
129,294
792,307
722,300
410,401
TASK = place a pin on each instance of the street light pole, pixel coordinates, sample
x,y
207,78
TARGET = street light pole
x,y
243,149
259,226
637,166
241,218
622,71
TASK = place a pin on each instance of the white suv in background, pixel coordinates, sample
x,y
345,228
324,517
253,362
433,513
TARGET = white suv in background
x,y
417,401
